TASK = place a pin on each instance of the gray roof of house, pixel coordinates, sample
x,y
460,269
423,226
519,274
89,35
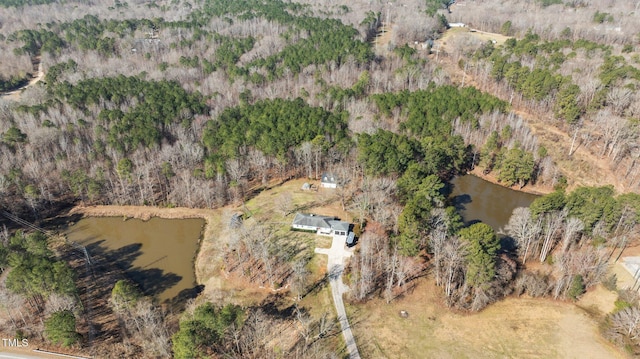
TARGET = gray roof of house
x,y
314,220
339,225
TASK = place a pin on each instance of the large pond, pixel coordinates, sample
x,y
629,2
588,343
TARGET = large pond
x,y
480,200
157,254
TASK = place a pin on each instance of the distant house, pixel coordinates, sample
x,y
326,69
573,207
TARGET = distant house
x,y
328,180
457,24
322,225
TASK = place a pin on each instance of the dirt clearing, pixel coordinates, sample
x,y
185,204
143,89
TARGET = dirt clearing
x,y
381,42
446,38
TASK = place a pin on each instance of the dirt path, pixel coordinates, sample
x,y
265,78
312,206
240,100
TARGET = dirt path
x,y
381,42
9,353
15,94
335,266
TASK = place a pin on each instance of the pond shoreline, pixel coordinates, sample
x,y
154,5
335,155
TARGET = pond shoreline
x,y
529,188
477,199
145,213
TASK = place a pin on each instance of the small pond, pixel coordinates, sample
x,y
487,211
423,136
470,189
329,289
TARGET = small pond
x,y
480,200
157,254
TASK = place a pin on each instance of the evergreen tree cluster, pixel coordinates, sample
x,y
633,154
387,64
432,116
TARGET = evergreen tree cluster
x,y
271,126
34,270
425,153
203,333
158,105
594,206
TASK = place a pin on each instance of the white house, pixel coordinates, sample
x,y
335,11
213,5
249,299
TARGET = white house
x,y
328,180
322,225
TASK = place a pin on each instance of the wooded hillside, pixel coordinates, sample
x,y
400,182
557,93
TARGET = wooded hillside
x,y
205,104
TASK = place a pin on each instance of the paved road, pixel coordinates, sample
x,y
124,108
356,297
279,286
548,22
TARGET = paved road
x,y
335,266
14,353
4,355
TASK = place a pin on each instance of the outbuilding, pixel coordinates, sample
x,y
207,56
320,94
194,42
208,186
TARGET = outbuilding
x,y
328,180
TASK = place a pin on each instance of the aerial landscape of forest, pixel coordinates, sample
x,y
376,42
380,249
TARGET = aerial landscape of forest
x,y
320,179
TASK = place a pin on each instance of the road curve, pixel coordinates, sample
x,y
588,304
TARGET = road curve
x,y
24,353
17,356
15,94
335,266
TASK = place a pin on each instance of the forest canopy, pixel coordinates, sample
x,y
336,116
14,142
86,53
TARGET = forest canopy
x,y
271,126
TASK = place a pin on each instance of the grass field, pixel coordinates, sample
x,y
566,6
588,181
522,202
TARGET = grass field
x,y
475,34
512,328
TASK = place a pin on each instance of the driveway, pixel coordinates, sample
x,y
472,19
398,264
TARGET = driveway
x,y
15,353
335,266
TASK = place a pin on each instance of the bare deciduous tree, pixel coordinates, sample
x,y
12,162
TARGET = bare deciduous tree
x,y
284,203
525,230
552,224
573,226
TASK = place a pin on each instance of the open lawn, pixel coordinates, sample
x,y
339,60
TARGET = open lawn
x,y
276,206
467,32
512,328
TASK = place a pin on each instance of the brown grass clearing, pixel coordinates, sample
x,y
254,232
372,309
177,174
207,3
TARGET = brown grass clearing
x,y
382,40
512,328
445,40
598,301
